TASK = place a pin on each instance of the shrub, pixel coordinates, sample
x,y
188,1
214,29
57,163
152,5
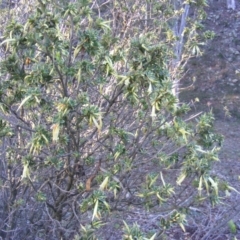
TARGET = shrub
x,y
90,125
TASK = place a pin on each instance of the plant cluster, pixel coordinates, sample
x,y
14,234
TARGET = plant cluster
x,y
90,126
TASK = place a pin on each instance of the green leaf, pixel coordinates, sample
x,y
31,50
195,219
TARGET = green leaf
x,y
232,227
184,134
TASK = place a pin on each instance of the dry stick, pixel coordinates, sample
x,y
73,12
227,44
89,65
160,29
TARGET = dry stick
x,y
57,222
74,212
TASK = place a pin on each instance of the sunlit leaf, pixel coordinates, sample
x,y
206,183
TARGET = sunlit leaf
x,y
200,188
164,184
24,101
95,211
181,178
182,227
104,184
153,113
55,132
26,171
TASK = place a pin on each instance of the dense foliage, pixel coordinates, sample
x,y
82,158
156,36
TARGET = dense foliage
x,y
91,129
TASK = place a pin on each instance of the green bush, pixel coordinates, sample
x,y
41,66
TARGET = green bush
x,y
90,126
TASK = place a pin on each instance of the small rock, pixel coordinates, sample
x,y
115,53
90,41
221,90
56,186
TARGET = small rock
x,y
233,50
234,34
